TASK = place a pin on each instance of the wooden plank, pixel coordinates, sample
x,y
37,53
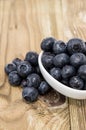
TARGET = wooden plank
x,y
24,24
74,19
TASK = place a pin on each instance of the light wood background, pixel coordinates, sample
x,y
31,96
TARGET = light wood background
x,y
23,24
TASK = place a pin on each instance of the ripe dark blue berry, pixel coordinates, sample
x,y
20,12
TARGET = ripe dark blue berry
x,y
47,61
68,71
32,57
14,78
30,94
59,47
76,45
77,59
43,88
56,73
17,61
76,82
82,71
48,53
47,44
24,83
37,70
84,86
33,80
24,69
65,81
61,59
10,67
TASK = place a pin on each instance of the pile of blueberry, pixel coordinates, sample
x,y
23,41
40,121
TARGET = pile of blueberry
x,y
66,62
27,74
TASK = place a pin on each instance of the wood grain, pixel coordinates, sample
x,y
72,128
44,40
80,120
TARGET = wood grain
x,y
23,24
74,19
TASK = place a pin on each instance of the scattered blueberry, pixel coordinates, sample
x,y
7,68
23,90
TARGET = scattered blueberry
x,y
76,82
9,68
14,78
30,94
60,60
82,72
77,59
59,47
32,57
56,73
24,69
33,80
76,45
17,61
24,83
47,44
43,88
37,70
68,71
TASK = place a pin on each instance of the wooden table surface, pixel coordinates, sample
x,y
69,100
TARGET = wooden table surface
x,y
23,24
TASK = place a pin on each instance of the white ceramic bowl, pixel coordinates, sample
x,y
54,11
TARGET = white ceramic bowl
x,y
61,88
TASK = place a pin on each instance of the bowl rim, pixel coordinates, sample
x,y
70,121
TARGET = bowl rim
x,y
65,86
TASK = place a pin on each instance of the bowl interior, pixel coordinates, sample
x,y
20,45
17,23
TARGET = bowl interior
x,y
58,86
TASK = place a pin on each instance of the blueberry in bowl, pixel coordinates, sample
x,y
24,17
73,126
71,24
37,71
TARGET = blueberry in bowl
x,y
66,70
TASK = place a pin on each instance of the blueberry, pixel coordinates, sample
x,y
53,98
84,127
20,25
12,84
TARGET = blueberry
x,y
48,54
65,81
32,57
30,94
14,78
47,44
43,88
76,82
75,45
56,73
16,61
24,69
77,59
24,83
84,86
9,68
47,61
59,47
33,80
37,70
82,71
60,60
68,71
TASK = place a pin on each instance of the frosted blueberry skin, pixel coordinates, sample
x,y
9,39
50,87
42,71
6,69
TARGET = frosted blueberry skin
x,y
24,69
43,88
76,45
32,58
33,80
59,47
82,72
61,59
47,44
14,78
76,82
10,67
68,71
30,94
77,59
56,73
